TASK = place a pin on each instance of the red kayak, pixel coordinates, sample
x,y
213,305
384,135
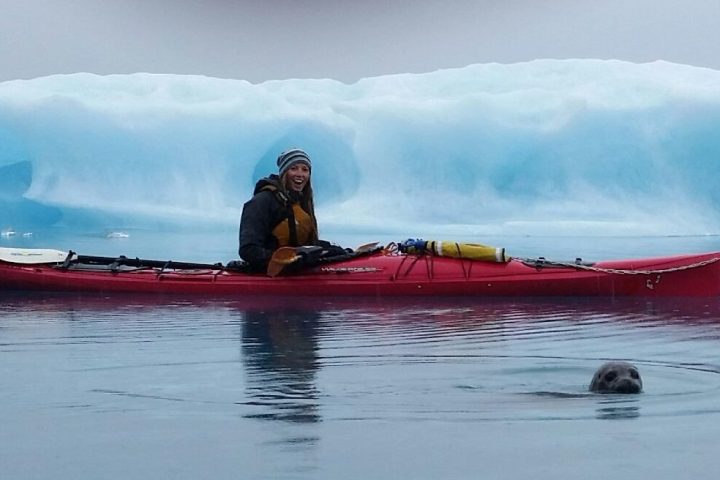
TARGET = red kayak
x,y
375,274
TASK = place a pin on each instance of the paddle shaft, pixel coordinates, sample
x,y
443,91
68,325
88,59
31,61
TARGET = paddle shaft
x,y
284,256
138,262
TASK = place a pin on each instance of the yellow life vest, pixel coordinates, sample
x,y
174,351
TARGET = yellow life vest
x,y
304,228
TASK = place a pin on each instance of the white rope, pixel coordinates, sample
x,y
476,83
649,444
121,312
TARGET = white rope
x,y
621,271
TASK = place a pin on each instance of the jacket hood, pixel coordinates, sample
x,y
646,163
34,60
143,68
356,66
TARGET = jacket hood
x,y
271,183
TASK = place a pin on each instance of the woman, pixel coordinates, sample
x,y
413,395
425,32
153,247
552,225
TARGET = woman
x,y
281,211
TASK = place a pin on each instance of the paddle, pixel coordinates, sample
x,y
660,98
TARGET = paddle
x,y
365,248
36,256
284,256
139,263
32,256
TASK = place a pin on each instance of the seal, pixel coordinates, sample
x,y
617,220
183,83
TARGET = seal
x,y
616,377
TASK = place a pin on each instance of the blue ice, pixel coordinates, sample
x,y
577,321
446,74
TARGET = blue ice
x,y
574,147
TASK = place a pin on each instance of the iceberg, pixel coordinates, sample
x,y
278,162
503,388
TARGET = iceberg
x,y
548,146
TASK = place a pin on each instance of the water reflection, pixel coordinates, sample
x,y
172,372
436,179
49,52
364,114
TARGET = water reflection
x,y
280,352
241,385
618,409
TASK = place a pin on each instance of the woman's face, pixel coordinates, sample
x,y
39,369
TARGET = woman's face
x,y
298,175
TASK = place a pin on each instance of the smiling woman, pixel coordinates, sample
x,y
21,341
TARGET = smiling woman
x,y
281,212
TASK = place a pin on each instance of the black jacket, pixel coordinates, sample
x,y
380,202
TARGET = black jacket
x,y
266,209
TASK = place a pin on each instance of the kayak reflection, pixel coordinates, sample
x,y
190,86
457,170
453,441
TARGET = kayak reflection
x,y
280,353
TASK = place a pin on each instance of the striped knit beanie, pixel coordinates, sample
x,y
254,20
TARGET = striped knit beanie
x,y
286,159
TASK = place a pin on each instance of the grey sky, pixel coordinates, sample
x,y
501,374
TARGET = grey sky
x,y
259,40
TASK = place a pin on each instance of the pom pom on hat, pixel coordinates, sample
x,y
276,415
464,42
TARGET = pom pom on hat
x,y
290,157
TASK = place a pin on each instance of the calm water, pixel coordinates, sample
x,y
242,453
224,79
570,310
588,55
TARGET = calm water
x,y
163,387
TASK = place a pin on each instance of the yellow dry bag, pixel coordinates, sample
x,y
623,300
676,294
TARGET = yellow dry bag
x,y
471,251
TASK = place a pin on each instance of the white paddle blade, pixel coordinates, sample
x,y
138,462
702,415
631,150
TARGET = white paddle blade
x,y
32,256
366,247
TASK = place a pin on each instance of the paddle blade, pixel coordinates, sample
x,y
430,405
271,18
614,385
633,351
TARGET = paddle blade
x,y
32,256
282,257
365,248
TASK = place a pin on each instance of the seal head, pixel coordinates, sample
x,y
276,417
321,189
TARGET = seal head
x,y
616,377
